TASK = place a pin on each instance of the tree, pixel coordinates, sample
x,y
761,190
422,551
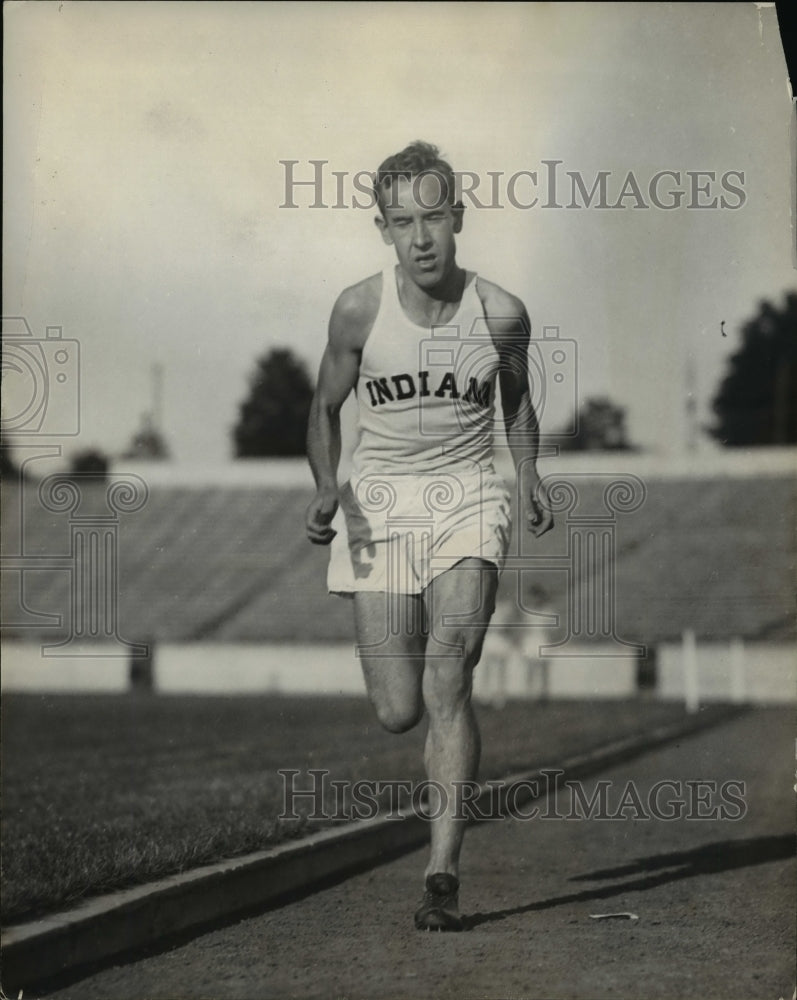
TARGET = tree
x,y
600,427
91,462
9,470
756,403
273,420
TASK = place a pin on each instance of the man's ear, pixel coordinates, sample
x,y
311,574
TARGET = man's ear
x,y
381,225
458,211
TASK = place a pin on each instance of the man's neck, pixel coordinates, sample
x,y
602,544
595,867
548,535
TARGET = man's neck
x,y
432,305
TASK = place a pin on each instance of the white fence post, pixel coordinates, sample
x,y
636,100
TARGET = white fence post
x,y
738,671
691,687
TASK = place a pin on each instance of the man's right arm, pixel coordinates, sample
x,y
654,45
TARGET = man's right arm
x,y
340,365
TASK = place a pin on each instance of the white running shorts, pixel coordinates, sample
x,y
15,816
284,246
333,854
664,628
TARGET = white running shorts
x,y
396,533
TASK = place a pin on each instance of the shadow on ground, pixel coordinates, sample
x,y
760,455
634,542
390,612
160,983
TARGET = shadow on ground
x,y
720,856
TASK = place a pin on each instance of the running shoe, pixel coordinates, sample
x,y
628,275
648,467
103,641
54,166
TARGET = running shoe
x,y
439,909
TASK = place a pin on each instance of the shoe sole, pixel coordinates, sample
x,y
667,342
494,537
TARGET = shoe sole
x,y
439,922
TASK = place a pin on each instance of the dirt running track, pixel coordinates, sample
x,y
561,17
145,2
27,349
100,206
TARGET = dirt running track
x,y
715,901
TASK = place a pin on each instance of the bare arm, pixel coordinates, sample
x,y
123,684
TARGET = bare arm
x,y
510,327
337,376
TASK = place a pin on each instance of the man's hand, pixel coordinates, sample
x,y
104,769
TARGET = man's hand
x,y
539,518
319,517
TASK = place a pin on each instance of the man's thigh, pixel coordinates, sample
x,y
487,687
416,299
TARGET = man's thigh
x,y
459,604
391,642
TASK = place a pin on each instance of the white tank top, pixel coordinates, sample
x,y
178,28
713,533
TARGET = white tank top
x,y
426,395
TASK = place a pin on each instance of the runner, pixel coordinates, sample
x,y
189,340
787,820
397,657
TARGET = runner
x,y
425,517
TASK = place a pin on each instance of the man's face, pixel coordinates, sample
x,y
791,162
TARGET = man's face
x,y
421,228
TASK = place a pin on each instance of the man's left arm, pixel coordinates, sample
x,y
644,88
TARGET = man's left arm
x,y
511,332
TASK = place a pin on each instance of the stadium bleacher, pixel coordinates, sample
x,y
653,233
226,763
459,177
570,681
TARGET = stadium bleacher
x,y
231,564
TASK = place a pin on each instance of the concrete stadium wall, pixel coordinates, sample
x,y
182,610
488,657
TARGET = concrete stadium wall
x,y
769,671
201,668
592,674
221,668
26,669
709,460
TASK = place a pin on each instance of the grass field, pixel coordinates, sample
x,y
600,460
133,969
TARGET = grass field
x,y
106,791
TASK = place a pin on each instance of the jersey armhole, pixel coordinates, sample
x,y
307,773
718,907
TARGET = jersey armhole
x,y
377,314
476,288
496,344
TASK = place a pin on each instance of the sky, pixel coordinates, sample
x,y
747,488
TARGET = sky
x,y
144,192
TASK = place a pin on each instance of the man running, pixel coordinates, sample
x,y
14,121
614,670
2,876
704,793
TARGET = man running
x,y
425,525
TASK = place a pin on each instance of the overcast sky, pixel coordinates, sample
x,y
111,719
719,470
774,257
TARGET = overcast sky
x,y
143,187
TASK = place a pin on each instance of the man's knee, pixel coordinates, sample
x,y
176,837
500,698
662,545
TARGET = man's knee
x,y
456,646
398,718
394,689
448,683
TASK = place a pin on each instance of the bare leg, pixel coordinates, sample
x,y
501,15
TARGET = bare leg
x,y
391,639
458,604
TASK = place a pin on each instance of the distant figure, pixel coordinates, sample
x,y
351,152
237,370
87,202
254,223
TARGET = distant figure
x,y
535,635
500,654
511,663
423,345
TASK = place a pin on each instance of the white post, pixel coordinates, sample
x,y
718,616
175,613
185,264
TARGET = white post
x,y
691,689
738,671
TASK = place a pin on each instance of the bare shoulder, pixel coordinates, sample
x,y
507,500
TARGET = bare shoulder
x,y
354,312
505,313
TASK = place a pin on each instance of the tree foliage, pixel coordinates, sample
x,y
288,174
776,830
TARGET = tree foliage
x,y
10,472
756,402
90,462
273,419
600,427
